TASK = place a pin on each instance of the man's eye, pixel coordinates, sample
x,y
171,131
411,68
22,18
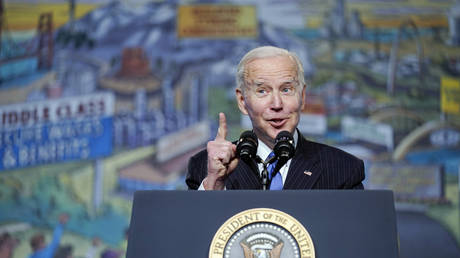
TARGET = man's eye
x,y
261,91
287,90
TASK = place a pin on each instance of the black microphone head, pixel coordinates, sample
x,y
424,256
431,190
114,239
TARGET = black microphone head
x,y
247,145
284,145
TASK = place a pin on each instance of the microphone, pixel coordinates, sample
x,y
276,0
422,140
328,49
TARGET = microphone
x,y
284,145
246,147
284,149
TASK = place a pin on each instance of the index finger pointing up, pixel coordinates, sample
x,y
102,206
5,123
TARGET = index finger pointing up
x,y
222,130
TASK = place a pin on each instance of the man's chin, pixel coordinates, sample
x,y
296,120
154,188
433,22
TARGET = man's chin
x,y
273,132
277,131
284,128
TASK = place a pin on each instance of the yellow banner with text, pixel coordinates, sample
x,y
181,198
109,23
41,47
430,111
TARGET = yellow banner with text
x,y
450,95
217,21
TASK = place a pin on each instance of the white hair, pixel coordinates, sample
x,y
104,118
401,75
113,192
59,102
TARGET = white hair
x,y
264,52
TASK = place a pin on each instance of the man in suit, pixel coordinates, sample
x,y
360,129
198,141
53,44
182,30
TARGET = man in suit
x,y
271,91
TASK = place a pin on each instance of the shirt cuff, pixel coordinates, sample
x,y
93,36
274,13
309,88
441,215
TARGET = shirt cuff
x,y
201,188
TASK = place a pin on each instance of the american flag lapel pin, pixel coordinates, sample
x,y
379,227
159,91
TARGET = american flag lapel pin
x,y
308,173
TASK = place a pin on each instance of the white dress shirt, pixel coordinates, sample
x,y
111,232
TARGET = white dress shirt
x,y
263,151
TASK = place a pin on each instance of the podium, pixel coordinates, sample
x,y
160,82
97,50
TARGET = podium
x,y
340,223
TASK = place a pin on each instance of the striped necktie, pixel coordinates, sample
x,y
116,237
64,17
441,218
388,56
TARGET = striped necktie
x,y
277,181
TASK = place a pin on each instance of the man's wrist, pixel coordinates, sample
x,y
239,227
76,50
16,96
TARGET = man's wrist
x,y
212,183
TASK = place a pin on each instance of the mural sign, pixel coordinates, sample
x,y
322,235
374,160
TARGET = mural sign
x,y
445,138
408,182
450,95
216,21
362,129
56,130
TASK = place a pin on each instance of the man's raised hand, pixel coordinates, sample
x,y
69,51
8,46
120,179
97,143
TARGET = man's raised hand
x,y
221,158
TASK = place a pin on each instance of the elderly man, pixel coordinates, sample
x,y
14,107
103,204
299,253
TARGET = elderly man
x,y
271,91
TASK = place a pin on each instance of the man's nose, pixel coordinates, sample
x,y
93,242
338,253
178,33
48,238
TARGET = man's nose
x,y
277,101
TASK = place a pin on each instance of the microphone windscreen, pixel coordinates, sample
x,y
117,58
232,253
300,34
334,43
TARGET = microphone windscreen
x,y
249,134
284,136
284,145
247,145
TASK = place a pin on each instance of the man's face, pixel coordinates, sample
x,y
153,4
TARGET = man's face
x,y
272,97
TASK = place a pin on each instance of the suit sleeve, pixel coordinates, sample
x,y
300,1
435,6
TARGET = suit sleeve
x,y
196,170
356,177
340,170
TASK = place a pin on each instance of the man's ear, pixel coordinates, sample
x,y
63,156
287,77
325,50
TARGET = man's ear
x,y
241,101
304,90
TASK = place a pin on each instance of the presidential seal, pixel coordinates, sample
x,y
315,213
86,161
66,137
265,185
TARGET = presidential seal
x,y
262,233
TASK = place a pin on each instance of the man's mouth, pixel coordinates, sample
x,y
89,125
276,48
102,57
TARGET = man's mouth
x,y
277,122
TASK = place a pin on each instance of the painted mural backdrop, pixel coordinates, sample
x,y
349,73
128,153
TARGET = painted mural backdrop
x,y
101,98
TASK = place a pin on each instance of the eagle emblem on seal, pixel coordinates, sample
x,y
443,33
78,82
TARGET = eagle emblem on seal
x,y
262,245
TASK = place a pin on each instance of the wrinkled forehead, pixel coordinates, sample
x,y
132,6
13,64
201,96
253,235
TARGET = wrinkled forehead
x,y
276,69
288,81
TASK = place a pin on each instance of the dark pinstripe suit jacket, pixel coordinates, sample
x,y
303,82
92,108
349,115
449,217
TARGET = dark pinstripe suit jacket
x,y
330,168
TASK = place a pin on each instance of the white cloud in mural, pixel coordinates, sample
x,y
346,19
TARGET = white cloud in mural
x,y
124,19
103,28
153,37
97,14
163,14
134,39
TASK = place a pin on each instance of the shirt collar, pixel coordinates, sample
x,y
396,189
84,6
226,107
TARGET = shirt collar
x,y
263,150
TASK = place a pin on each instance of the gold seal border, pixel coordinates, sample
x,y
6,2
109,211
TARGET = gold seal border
x,y
277,217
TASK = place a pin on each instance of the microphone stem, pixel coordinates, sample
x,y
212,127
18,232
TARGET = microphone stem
x,y
264,176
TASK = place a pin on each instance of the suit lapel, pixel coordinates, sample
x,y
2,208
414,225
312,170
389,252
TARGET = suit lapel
x,y
304,169
243,178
